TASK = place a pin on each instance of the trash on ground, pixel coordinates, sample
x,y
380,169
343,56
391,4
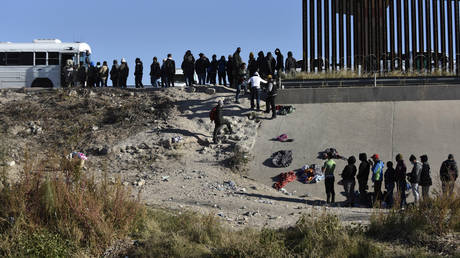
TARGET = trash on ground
x,y
282,158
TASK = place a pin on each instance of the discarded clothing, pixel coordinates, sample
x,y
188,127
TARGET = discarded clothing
x,y
285,110
311,174
282,158
284,179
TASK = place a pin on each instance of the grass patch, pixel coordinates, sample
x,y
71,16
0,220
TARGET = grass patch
x,y
238,162
349,74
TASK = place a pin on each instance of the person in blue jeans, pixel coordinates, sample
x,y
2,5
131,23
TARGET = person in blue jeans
x,y
255,81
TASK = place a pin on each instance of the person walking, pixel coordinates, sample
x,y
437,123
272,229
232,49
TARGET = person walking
x,y
124,73
237,62
170,70
425,177
254,82
104,74
115,74
328,171
221,71
348,179
138,73
213,70
230,71
414,177
188,66
82,74
252,65
377,178
155,73
363,177
271,64
291,64
389,180
448,174
400,177
272,91
219,121
201,65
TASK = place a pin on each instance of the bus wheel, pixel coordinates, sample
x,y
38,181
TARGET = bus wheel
x,y
42,83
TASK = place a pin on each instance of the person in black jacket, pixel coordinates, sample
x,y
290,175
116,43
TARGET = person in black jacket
x,y
400,177
252,65
170,68
219,121
81,75
201,65
230,71
115,74
237,62
188,66
124,73
389,180
271,64
272,91
363,176
279,64
92,75
291,64
213,70
425,177
262,65
221,68
448,174
348,179
155,73
138,73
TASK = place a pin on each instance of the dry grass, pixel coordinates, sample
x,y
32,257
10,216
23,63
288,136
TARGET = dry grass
x,y
349,74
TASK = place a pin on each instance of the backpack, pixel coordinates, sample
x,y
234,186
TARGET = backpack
x,y
282,158
212,114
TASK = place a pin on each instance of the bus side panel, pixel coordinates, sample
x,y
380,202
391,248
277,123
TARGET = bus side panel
x,y
52,72
12,78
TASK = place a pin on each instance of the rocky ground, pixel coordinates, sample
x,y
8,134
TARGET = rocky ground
x,y
159,143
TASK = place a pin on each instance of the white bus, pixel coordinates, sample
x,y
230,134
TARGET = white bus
x,y
38,64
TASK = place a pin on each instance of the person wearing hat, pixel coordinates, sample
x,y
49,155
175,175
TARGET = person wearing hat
x,y
254,81
414,177
425,177
377,178
272,91
400,176
115,74
328,170
124,73
448,174
219,120
348,179
138,73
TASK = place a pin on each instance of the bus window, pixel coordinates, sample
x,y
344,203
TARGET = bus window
x,y
26,58
53,58
12,58
85,58
2,58
40,58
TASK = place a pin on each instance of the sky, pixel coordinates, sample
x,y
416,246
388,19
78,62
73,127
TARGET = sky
x,y
148,28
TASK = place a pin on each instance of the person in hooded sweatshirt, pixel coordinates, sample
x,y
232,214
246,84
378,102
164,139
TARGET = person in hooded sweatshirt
x,y
104,74
272,91
188,66
389,180
170,70
82,74
237,62
252,65
98,78
271,64
279,64
164,78
155,73
138,73
92,75
213,70
262,65
221,68
348,178
290,63
425,177
377,178
400,177
414,177
230,71
201,66
363,176
115,74
124,73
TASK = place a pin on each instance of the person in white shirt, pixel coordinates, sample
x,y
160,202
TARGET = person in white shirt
x,y
255,81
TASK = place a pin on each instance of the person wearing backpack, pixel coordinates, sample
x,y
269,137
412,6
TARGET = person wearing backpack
x,y
170,67
448,174
377,178
414,177
425,178
348,179
400,177
216,115
138,73
328,171
389,180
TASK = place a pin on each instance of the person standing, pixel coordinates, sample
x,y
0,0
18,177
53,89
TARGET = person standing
x,y
98,76
155,73
163,72
68,73
237,62
188,66
254,81
272,91
82,73
219,121
138,73
230,71
104,74
291,64
201,65
448,174
124,73
363,176
241,81
425,177
279,65
213,70
115,74
252,65
348,179
414,177
221,74
170,70
271,64
92,75
389,179
328,171
400,177
377,178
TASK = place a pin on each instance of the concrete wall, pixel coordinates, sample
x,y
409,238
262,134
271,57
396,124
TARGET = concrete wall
x,y
367,94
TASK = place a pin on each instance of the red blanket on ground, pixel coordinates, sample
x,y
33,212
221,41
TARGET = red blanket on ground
x,y
284,179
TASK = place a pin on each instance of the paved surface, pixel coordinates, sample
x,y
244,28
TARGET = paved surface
x,y
386,128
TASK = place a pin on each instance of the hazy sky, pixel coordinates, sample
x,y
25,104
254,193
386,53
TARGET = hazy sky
x,y
142,28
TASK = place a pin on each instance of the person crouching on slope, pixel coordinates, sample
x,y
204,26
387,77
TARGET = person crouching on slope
x,y
216,115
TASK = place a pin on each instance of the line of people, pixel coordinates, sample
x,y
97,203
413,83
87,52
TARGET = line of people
x,y
393,178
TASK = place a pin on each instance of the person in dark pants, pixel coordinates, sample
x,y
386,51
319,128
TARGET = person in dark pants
x,y
230,71
188,66
124,73
138,73
92,75
252,65
201,65
272,91
425,178
170,70
400,177
237,62
363,177
81,75
254,82
290,64
271,64
448,174
98,76
328,171
348,179
389,179
221,68
155,73
262,65
219,121
377,178
163,72
104,74
279,64
213,70
115,74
